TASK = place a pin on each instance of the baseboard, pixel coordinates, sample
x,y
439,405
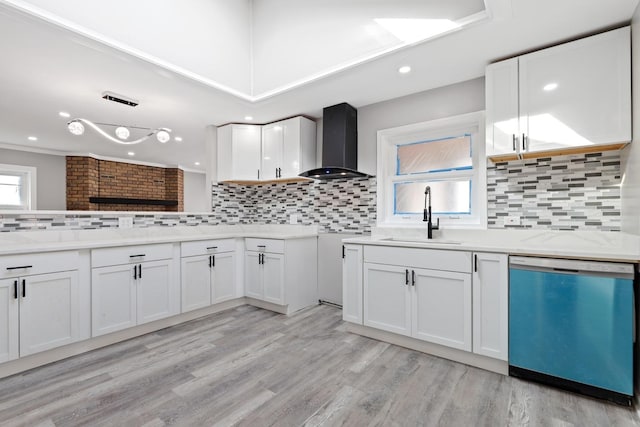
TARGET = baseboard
x,y
483,362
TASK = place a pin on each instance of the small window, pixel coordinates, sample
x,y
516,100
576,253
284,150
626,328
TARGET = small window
x,y
17,187
446,155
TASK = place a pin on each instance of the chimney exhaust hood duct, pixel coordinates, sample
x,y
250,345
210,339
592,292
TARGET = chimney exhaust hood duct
x,y
339,144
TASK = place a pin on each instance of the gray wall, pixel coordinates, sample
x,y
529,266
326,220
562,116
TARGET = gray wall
x,y
51,173
630,190
195,192
460,98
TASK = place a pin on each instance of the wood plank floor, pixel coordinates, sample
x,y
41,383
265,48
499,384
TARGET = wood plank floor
x,y
252,367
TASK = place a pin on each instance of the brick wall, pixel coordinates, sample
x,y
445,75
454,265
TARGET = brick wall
x,y
89,177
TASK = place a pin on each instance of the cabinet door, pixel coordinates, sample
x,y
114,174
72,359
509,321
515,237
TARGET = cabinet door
x,y
245,152
578,93
196,282
253,275
271,150
387,298
113,299
502,107
441,308
273,272
490,305
49,311
155,291
352,284
223,286
8,319
291,148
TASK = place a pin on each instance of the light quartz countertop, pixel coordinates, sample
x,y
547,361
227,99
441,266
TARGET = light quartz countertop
x,y
605,246
48,241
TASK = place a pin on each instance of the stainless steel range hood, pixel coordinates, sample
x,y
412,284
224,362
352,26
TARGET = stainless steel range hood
x,y
339,144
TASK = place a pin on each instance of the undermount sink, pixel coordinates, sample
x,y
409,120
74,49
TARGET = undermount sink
x,y
422,240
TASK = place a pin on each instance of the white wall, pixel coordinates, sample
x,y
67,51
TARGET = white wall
x,y
460,98
630,191
51,171
195,189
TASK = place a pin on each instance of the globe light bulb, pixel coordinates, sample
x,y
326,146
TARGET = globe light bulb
x,y
76,128
163,136
122,132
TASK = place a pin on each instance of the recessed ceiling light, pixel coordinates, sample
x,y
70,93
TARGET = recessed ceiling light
x,y
549,87
197,163
178,139
64,114
32,138
404,69
248,118
131,153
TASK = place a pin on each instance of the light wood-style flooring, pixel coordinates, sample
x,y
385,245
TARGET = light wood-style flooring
x,y
252,367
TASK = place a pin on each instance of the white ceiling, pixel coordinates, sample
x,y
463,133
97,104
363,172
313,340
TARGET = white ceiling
x,y
217,61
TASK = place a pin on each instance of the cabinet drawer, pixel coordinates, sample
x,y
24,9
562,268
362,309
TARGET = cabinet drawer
x,y
433,259
265,245
204,247
130,254
46,262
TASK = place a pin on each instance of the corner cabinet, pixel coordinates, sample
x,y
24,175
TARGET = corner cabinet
x,y
566,97
40,303
133,285
421,293
239,152
279,150
282,273
208,270
352,283
491,305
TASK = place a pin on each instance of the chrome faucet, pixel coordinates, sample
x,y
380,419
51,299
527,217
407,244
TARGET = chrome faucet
x,y
427,214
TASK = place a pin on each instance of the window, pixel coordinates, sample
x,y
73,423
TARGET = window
x,y
17,187
446,155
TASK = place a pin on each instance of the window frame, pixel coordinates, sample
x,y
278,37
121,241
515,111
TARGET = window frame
x,y
28,199
389,139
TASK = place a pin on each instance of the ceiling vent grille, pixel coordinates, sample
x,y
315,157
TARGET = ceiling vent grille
x,y
110,96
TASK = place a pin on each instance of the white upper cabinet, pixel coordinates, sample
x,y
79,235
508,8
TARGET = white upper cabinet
x,y
278,150
577,94
239,152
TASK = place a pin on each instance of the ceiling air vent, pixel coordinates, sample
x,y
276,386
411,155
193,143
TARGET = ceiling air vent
x,y
110,96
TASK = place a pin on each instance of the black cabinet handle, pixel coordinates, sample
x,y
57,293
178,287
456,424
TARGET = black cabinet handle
x,y
343,251
475,262
262,246
135,272
524,139
18,268
258,173
209,261
413,277
513,135
15,289
139,271
24,288
136,256
406,277
212,247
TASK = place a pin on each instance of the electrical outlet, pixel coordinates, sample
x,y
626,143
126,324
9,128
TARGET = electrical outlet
x,y
125,222
293,219
512,220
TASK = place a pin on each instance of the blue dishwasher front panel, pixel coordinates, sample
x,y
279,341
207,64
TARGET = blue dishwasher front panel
x,y
575,327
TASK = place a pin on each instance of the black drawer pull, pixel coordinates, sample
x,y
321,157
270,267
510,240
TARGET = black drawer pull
x,y
15,289
18,268
212,247
24,288
136,256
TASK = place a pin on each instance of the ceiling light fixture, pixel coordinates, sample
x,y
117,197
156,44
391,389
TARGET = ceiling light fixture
x,y
32,138
178,139
549,87
76,127
404,69
131,153
64,114
197,163
248,118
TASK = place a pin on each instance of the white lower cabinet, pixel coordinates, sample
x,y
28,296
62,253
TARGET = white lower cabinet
x,y
144,289
352,283
387,298
264,276
491,305
210,277
39,312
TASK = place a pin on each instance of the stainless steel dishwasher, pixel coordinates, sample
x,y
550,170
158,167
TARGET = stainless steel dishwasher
x,y
572,325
